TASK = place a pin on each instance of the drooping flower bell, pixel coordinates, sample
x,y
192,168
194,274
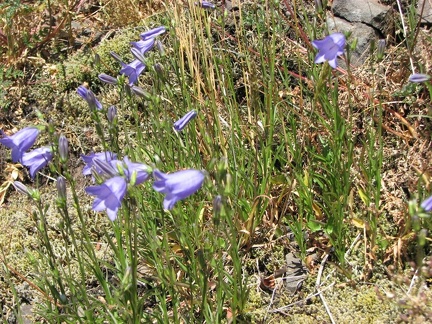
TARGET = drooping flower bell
x,y
37,159
109,196
178,185
20,142
89,96
133,70
88,159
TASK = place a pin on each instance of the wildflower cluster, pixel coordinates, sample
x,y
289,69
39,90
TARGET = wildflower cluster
x,y
134,69
113,176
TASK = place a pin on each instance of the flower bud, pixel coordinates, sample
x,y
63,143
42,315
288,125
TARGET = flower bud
x,y
116,56
61,188
318,6
111,114
153,33
140,92
160,47
380,48
182,122
159,69
138,55
418,77
21,188
104,167
107,78
97,59
217,204
206,5
63,148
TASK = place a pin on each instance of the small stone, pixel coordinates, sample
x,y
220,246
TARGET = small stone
x,y
295,274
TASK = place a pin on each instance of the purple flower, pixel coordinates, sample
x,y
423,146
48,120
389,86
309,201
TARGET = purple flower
x,y
178,185
153,33
427,204
140,169
182,122
329,48
132,70
206,5
107,78
20,142
418,77
109,196
88,159
144,45
106,168
37,159
89,96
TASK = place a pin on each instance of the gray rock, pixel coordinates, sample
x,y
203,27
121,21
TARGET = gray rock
x,y
295,274
363,33
427,10
369,12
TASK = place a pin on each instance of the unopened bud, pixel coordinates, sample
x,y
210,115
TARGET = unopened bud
x,y
116,56
140,92
381,48
63,148
61,188
318,6
160,47
138,55
97,59
159,69
104,167
111,114
21,188
128,90
217,204
107,78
